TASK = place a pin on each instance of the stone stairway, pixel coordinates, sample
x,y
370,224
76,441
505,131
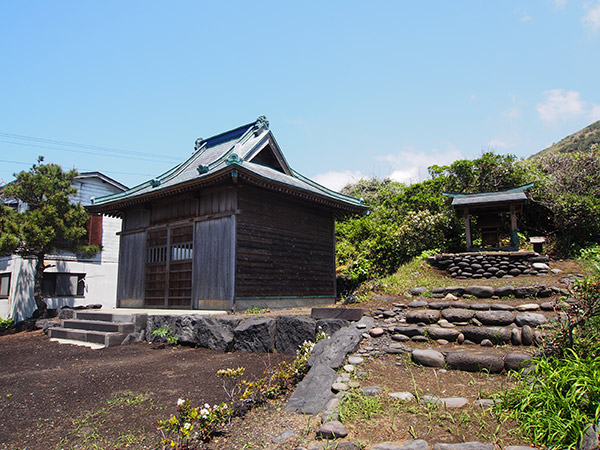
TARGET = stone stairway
x,y
100,329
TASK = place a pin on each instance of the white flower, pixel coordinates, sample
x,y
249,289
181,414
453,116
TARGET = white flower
x,y
186,426
204,413
180,402
207,406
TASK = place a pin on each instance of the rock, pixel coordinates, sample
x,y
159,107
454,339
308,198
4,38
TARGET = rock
x,y
504,291
410,331
44,324
350,314
526,291
332,430
354,360
527,335
547,306
332,352
502,307
486,403
420,339
349,368
417,291
516,361
496,335
418,444
292,331
429,358
66,313
497,318
475,362
458,291
457,315
376,332
450,298
449,334
464,446
480,291
400,338
417,304
404,396
313,393
431,399
330,326
528,307
337,387
531,319
460,339
590,438
486,343
286,435
425,316
255,335
515,336
331,411
372,391
540,266
454,402
480,306
439,305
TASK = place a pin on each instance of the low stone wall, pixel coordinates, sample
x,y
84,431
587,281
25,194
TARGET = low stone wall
x,y
284,334
490,264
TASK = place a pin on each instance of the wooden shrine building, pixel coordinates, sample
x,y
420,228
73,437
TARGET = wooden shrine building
x,y
231,227
489,207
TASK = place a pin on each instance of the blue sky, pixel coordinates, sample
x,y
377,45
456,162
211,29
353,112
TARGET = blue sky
x,y
351,89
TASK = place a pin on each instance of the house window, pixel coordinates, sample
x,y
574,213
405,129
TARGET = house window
x,y
4,285
56,284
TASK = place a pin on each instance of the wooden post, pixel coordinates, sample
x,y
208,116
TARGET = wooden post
x,y
514,237
468,229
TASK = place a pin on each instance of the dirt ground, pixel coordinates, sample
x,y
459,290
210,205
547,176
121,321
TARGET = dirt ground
x,y
55,396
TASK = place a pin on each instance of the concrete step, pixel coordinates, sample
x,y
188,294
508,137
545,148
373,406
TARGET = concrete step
x,y
99,325
104,316
107,339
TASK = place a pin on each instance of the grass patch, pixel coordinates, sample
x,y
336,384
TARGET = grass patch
x,y
555,403
415,273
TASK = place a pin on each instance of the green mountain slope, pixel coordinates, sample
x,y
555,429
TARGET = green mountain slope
x,y
576,142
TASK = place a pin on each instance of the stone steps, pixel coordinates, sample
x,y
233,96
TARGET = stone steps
x,y
105,329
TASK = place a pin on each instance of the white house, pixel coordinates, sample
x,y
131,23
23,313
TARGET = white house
x,y
71,280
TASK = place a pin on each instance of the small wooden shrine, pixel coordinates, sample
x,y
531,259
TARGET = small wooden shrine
x,y
489,208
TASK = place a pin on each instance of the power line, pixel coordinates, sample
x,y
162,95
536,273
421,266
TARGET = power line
x,y
78,145
71,150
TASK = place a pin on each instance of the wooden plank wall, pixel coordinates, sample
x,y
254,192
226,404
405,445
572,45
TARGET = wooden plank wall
x,y
213,259
132,255
284,247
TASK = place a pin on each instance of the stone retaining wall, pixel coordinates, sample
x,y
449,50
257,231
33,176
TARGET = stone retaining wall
x,y
285,334
490,264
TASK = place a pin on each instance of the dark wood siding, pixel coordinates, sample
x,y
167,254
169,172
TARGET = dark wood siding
x,y
213,259
284,247
130,285
136,219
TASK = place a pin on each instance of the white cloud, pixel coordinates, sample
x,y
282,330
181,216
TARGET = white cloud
x,y
524,16
337,180
560,3
592,19
512,113
410,166
560,105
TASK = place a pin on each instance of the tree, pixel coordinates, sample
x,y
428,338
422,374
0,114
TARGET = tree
x,y
50,221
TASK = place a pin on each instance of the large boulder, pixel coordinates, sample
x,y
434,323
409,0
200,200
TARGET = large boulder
x,y
480,291
504,291
496,335
332,352
496,318
516,361
458,314
215,334
425,316
292,331
429,358
531,319
330,326
256,334
475,362
313,393
449,334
